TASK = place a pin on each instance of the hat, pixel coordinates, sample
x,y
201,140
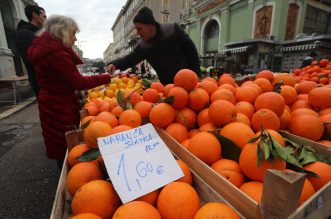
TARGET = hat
x,y
145,16
29,9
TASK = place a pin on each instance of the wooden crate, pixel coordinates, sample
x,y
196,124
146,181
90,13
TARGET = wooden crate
x,y
319,148
317,206
61,206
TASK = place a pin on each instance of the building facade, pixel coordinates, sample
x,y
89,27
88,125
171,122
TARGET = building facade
x,y
107,54
124,34
12,11
262,34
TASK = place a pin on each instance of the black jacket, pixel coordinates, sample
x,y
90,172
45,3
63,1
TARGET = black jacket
x,y
168,52
25,34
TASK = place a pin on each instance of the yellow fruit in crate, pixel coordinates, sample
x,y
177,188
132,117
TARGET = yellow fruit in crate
x,y
110,93
101,94
108,99
131,81
122,90
135,79
93,95
129,90
121,85
130,85
137,86
125,80
117,80
113,86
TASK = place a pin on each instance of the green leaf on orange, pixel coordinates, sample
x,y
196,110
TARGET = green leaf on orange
x,y
89,155
266,150
169,100
160,99
229,149
84,126
120,99
252,140
128,105
146,83
285,153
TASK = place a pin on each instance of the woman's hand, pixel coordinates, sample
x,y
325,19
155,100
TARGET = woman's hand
x,y
111,68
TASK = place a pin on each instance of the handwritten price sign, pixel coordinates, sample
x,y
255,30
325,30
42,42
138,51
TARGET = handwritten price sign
x,y
138,162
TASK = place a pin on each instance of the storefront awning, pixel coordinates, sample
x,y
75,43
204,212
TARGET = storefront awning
x,y
235,50
222,52
209,55
299,47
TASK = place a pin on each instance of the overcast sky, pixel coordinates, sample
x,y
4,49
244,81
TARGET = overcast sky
x,y
94,17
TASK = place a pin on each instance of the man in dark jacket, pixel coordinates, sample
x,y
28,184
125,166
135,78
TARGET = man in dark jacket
x,y
165,46
25,35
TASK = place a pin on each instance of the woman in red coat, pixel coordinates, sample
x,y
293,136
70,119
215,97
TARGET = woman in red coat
x,y
55,67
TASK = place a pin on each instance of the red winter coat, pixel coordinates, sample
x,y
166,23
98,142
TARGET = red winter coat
x,y
58,77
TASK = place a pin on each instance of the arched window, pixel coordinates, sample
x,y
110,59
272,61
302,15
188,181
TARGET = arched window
x,y
211,36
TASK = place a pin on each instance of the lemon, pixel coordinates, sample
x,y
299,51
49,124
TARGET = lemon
x,y
101,94
113,86
110,93
125,80
93,95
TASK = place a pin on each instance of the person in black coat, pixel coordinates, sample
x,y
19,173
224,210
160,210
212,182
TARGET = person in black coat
x,y
25,34
166,47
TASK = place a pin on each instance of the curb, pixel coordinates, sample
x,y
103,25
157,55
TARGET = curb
x,y
17,107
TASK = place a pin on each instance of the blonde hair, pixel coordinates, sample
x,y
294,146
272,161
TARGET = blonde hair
x,y
61,27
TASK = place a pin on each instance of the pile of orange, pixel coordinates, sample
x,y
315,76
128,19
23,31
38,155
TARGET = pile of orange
x,y
318,72
95,197
109,91
236,112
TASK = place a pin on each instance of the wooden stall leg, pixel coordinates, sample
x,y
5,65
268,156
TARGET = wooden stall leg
x,y
281,193
72,139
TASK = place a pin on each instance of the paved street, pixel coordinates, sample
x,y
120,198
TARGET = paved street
x,y
7,96
28,179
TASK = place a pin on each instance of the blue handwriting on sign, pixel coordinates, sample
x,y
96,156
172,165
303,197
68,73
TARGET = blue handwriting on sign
x,y
140,140
143,170
121,166
130,138
149,147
